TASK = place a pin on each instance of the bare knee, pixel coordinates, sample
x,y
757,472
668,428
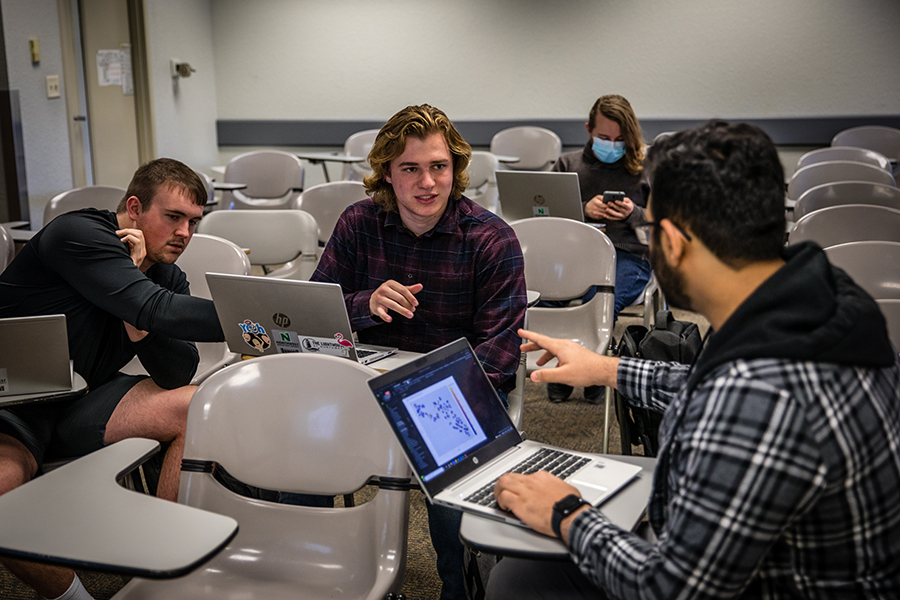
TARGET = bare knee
x,y
17,464
152,412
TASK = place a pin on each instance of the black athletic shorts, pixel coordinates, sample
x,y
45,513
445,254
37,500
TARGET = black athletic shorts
x,y
56,430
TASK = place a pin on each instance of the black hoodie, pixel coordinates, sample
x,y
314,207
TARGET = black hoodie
x,y
808,310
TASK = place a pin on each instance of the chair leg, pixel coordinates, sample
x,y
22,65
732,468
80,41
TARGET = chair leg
x,y
607,402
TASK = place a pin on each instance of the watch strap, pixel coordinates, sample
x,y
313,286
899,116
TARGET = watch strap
x,y
563,509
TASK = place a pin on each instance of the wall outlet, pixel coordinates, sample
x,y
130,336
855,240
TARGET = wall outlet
x,y
53,86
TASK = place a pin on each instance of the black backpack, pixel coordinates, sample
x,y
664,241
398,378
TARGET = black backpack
x,y
668,340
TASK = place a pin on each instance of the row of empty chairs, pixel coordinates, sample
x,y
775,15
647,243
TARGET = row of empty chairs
x,y
847,201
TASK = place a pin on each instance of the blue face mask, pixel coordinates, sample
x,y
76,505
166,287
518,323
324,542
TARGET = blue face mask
x,y
607,151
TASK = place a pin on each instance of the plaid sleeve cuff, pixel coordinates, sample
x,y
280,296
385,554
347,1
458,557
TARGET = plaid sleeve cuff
x,y
635,377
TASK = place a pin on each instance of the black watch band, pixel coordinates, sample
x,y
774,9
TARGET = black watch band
x,y
563,509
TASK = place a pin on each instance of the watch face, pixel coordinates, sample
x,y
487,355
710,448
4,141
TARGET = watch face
x,y
568,504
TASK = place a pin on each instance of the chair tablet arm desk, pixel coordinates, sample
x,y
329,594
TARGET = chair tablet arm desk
x,y
624,509
78,516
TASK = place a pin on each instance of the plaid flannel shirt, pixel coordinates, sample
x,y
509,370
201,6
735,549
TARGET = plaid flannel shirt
x,y
776,479
469,263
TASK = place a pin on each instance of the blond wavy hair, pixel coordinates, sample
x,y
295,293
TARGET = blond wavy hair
x,y
418,122
617,109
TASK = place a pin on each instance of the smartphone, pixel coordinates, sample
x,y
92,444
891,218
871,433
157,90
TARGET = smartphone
x,y
613,197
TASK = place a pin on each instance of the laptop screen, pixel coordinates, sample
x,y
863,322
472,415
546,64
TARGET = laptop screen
x,y
445,414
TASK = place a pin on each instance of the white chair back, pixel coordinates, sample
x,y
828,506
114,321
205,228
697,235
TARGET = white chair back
x,y
835,170
483,181
274,179
873,265
92,196
884,140
848,223
359,144
846,192
273,237
327,201
555,265
848,153
295,423
537,148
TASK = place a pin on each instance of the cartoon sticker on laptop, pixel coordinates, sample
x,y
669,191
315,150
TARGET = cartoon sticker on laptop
x,y
337,346
255,335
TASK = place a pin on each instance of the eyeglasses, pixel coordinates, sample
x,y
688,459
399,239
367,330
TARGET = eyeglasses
x,y
646,225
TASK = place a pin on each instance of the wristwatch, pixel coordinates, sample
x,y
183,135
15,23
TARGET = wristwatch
x,y
563,509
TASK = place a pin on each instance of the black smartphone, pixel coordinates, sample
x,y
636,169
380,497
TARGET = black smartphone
x,y
613,197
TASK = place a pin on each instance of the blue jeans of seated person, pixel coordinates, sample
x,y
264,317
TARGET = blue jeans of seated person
x,y
444,523
632,275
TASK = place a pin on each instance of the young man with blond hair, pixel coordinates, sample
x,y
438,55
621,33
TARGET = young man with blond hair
x,y
421,265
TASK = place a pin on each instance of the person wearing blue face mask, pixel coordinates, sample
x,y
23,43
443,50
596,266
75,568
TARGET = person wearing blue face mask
x,y
612,161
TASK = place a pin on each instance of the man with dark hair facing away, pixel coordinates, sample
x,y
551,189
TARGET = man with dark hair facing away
x,y
113,276
421,265
779,463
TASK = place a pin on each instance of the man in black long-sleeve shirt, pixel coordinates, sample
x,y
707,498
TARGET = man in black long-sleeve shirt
x,y
113,276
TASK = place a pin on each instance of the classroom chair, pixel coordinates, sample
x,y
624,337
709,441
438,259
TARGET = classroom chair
x,y
835,170
483,182
848,223
286,237
536,148
884,140
274,179
873,265
846,192
326,202
299,423
849,153
91,196
359,144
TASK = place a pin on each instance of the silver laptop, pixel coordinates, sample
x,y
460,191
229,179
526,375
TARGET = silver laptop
x,y
459,439
34,355
526,194
266,315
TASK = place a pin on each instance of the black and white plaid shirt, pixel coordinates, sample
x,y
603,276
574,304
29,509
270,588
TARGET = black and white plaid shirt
x,y
776,479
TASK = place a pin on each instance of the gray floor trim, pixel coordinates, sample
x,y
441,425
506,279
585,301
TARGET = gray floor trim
x,y
803,131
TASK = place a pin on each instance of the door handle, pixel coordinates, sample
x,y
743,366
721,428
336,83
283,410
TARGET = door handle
x,y
79,118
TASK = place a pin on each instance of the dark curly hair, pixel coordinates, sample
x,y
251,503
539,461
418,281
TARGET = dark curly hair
x,y
725,183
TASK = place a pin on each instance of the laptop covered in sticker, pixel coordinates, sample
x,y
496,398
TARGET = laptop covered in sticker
x,y
266,315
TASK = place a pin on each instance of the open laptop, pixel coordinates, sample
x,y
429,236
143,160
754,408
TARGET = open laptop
x,y
458,438
34,355
526,194
266,315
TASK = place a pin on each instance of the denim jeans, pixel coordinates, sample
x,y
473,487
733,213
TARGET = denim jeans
x,y
632,275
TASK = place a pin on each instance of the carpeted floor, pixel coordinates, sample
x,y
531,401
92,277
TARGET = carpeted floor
x,y
575,424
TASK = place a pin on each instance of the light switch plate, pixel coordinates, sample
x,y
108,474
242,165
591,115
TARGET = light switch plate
x,y
53,86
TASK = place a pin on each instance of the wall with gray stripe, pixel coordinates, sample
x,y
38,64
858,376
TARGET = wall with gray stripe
x,y
309,72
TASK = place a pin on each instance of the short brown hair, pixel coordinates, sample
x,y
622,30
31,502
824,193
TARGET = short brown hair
x,y
164,172
418,122
616,108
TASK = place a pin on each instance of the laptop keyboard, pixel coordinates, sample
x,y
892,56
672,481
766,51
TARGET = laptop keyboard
x,y
362,353
561,464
